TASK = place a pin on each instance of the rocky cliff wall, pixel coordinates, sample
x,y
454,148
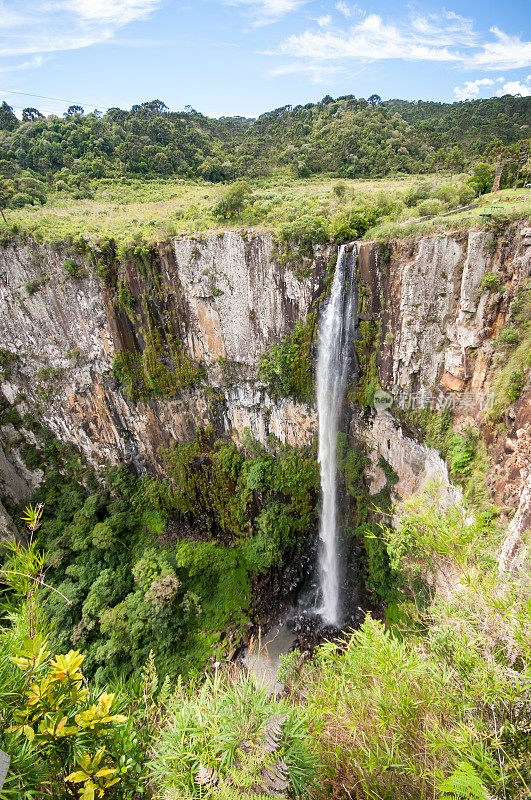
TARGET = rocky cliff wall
x,y
210,307
224,298
440,303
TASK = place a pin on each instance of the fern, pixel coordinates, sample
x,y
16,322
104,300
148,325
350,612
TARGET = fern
x,y
464,784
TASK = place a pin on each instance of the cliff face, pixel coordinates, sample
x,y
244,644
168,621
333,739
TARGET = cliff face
x,y
206,309
440,303
224,298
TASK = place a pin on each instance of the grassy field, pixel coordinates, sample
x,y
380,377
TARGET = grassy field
x,y
131,211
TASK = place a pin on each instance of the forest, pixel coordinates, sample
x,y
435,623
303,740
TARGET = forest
x,y
346,137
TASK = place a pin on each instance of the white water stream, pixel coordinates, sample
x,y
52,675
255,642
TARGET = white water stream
x,y
334,352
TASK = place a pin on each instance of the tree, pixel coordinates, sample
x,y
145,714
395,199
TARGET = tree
x,y
149,108
233,202
481,179
6,193
456,160
374,99
74,111
499,153
31,114
521,153
8,120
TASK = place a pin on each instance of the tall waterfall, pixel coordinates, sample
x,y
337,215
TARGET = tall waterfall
x,y
334,352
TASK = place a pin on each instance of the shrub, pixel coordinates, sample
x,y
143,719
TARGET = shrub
x,y
400,711
233,202
21,199
125,296
57,724
511,377
466,194
228,739
306,229
490,282
416,193
351,225
429,207
482,178
32,287
287,367
72,269
339,190
515,386
384,715
447,195
507,338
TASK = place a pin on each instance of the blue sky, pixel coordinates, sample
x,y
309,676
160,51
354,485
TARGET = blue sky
x,y
250,56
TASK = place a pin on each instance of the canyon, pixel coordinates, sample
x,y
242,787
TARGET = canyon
x,y
217,303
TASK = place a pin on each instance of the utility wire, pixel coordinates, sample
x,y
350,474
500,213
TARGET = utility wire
x,y
58,99
22,108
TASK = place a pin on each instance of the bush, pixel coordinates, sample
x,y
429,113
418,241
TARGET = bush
x,y
386,719
466,194
490,282
72,269
429,207
232,204
32,287
61,738
287,367
417,193
482,178
399,711
447,195
515,386
351,225
339,190
228,739
306,229
125,296
507,338
21,199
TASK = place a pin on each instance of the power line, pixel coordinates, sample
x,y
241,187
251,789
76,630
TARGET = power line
x,y
58,99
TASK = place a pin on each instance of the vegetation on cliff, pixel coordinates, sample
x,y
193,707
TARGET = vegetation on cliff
x,y
434,705
166,565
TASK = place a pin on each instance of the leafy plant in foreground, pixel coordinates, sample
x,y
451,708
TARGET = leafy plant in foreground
x,y
227,739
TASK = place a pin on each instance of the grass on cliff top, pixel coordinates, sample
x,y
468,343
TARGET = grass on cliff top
x,y
508,203
132,209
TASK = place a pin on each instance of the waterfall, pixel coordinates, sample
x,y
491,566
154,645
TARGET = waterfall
x,y
334,350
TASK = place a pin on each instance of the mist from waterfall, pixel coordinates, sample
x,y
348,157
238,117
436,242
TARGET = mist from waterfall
x,y
336,330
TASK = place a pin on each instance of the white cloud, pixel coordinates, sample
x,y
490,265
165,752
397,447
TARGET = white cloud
x,y
33,63
265,12
472,88
324,21
505,52
115,12
446,37
372,39
48,26
348,10
516,87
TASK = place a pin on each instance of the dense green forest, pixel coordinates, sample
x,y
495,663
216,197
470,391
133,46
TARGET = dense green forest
x,y
471,125
347,137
